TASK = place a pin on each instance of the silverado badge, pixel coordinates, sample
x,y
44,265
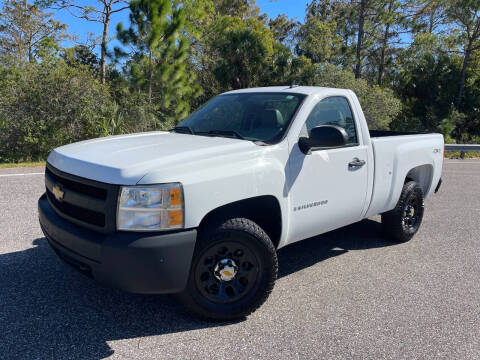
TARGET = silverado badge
x,y
58,192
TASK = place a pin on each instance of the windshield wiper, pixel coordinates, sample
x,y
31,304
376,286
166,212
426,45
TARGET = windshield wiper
x,y
226,133
183,129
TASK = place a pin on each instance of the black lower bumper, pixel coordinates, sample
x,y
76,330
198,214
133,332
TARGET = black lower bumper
x,y
147,263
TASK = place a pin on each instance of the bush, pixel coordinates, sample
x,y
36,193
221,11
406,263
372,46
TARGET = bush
x,y
48,104
446,127
466,154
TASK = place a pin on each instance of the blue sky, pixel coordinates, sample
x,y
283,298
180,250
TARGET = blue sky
x,y
293,8
81,28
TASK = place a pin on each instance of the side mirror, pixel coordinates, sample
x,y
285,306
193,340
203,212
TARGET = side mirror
x,y
323,137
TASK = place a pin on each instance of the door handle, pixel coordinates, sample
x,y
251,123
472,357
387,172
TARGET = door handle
x,y
356,162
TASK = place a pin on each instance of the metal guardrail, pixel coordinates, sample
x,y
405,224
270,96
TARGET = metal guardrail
x,y
462,147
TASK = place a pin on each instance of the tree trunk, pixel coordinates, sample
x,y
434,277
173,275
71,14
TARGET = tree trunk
x,y
26,44
381,68
386,34
466,60
30,53
361,21
103,53
150,77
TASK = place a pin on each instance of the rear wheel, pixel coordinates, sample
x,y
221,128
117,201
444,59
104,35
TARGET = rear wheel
x,y
405,219
233,271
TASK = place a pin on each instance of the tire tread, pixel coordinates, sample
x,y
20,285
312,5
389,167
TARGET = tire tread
x,y
253,229
392,220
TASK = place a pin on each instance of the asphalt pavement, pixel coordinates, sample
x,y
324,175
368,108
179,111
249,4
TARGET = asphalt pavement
x,y
346,294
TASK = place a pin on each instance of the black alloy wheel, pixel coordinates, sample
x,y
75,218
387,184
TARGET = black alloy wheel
x,y
410,212
402,222
226,272
233,270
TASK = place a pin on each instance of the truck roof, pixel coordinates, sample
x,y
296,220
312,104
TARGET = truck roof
x,y
306,90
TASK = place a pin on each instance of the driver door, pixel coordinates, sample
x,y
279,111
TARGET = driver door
x,y
326,192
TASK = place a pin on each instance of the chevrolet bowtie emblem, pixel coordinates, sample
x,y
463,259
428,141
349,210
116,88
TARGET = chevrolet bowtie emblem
x,y
58,192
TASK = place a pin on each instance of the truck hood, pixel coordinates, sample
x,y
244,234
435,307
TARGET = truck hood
x,y
126,159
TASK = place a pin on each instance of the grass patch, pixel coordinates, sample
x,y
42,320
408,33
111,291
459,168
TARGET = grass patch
x,y
456,154
22,164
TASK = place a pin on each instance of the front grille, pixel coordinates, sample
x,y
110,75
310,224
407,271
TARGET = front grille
x,y
85,202
82,214
78,186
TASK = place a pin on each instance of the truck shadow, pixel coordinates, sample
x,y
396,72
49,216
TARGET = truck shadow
x,y
48,311
366,234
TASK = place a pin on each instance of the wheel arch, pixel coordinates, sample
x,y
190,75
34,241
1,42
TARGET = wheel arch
x,y
422,175
264,210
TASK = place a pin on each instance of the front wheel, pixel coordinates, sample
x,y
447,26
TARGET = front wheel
x,y
402,223
233,271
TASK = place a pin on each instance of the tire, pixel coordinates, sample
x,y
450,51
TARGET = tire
x,y
401,223
233,271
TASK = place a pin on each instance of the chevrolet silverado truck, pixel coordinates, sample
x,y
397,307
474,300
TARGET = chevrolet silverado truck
x,y
201,210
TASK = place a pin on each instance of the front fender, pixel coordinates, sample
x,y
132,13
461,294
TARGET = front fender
x,y
223,179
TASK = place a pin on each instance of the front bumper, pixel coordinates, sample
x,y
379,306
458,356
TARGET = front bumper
x,y
146,263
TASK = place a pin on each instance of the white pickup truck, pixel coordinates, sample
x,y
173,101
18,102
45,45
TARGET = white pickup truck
x,y
201,210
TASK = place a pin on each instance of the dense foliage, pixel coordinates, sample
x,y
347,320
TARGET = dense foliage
x,y
413,64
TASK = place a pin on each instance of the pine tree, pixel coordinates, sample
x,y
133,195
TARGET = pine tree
x,y
101,12
158,61
465,14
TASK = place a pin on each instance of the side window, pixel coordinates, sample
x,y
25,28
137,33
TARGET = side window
x,y
333,111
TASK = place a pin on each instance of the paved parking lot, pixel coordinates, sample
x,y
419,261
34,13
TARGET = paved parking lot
x,y
347,294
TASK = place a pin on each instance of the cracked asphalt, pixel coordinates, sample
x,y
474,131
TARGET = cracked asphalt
x,y
346,294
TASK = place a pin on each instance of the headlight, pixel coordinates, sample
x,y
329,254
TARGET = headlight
x,y
152,207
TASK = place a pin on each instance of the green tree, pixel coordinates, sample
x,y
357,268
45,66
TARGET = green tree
x,y
283,28
362,15
379,105
394,22
209,24
428,16
318,40
374,23
25,29
244,9
346,30
81,54
342,13
427,87
465,14
158,61
101,12
244,50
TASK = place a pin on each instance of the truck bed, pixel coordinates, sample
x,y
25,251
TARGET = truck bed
x,y
384,133
395,155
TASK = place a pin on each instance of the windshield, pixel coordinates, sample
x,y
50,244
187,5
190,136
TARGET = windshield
x,y
251,116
